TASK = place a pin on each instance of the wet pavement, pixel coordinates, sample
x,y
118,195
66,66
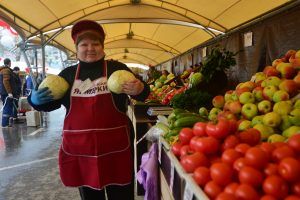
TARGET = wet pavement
x,y
28,161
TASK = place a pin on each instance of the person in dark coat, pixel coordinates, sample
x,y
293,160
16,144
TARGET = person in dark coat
x,y
96,153
9,92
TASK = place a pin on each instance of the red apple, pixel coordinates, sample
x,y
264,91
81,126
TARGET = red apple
x,y
218,101
290,86
271,71
286,70
289,53
276,62
240,91
297,80
235,107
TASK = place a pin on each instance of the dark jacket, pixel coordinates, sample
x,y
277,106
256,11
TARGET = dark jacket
x,y
92,71
9,82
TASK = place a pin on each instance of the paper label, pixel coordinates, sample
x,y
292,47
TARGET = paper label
x,y
85,85
188,193
159,150
172,177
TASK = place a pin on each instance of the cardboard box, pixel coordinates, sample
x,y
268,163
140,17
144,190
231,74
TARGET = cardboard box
x,y
33,118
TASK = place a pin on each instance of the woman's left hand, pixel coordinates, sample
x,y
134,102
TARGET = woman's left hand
x,y
133,87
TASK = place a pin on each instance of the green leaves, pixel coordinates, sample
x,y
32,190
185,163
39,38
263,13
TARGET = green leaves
x,y
217,60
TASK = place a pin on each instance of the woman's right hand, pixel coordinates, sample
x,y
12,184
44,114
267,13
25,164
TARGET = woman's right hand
x,y
41,96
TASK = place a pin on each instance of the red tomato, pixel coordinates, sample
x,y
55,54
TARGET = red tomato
x,y
282,152
193,142
289,169
268,197
294,142
191,162
212,189
296,188
185,150
250,136
230,142
221,173
275,185
219,130
176,148
242,148
202,176
292,197
246,192
250,176
268,148
199,129
225,196
185,135
271,169
239,164
207,145
256,157
230,155
231,188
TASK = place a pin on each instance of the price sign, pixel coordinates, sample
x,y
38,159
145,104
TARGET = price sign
x,y
188,192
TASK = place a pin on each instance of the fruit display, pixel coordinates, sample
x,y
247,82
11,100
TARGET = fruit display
x,y
247,145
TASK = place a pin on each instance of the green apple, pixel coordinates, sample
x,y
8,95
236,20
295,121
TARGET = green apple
x,y
227,95
257,120
213,113
258,93
272,80
265,131
291,131
246,97
259,76
294,116
249,110
272,119
297,103
234,96
283,107
285,122
244,125
276,138
280,95
203,112
264,106
269,91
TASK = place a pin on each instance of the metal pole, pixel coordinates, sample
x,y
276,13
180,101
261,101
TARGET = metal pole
x,y
22,48
43,56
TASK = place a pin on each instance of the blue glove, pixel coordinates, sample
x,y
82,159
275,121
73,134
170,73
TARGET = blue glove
x,y
41,96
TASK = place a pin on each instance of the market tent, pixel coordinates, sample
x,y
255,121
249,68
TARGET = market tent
x,y
141,31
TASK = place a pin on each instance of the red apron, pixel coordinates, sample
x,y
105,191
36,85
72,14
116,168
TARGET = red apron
x,y
95,149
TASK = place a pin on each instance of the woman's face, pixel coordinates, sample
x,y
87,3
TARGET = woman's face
x,y
89,50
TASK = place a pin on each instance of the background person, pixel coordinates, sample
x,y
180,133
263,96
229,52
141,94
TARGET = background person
x,y
18,81
96,152
8,90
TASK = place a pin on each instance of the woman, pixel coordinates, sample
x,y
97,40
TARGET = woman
x,y
96,150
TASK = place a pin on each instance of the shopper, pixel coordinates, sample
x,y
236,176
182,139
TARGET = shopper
x,y
96,150
8,91
18,82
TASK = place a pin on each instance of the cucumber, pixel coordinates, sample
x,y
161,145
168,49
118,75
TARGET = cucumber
x,y
173,132
188,121
187,114
177,111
